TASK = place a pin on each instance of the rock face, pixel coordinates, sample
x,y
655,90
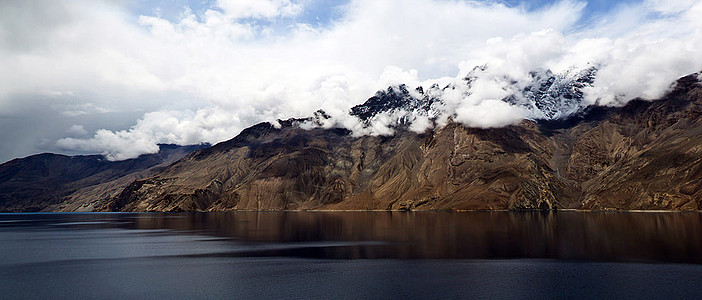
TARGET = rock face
x,y
292,168
646,155
54,182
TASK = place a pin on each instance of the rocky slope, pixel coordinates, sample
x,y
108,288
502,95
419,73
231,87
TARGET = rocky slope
x,y
53,182
646,155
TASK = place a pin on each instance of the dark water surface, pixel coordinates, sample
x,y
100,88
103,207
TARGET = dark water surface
x,y
333,255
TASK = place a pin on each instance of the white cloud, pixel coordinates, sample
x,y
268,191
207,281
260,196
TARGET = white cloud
x,y
669,6
420,124
76,131
490,113
640,63
160,127
205,77
118,145
645,62
238,9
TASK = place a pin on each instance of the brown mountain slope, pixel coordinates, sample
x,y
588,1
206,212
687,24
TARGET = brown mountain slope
x,y
292,168
645,155
654,154
53,182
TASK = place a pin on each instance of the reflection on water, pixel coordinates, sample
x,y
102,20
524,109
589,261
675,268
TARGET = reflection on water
x,y
602,236
315,255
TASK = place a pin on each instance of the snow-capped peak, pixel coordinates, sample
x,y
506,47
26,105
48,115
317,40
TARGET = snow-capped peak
x,y
543,95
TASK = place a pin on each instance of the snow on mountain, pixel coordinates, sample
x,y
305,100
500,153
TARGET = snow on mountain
x,y
544,95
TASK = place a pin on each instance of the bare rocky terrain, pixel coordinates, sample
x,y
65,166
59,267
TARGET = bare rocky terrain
x,y
646,155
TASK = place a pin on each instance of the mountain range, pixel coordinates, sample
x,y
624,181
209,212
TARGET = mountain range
x,y
646,155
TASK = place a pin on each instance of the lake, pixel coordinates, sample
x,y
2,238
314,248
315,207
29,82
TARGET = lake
x,y
330,255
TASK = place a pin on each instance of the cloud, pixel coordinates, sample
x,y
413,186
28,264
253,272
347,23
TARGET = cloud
x,y
238,9
76,130
205,76
669,6
645,62
113,144
160,127
490,113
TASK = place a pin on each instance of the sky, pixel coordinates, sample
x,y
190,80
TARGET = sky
x,y
117,77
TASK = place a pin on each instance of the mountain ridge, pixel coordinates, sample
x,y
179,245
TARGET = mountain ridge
x,y
644,155
544,95
453,167
41,181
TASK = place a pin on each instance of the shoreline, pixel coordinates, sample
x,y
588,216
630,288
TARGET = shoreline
x,y
364,210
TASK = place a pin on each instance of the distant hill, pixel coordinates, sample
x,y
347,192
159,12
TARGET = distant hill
x,y
45,181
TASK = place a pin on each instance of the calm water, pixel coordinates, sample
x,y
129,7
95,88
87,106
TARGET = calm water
x,y
351,255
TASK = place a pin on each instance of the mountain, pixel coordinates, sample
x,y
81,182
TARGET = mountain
x,y
47,181
554,96
545,95
645,155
